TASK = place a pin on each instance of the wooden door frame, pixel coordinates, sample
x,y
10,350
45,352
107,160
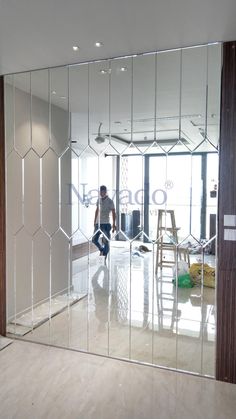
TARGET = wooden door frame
x,y
226,286
2,215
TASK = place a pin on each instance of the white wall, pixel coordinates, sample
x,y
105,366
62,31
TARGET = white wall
x,y
37,181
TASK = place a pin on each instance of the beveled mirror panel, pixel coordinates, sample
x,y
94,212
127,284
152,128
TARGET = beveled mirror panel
x,y
40,97
140,287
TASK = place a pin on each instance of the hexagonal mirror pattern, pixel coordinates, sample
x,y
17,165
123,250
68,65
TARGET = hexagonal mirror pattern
x,y
59,110
23,273
40,111
88,172
66,190
32,183
99,102
126,270
50,192
79,106
22,113
14,192
41,267
10,262
141,308
9,112
60,268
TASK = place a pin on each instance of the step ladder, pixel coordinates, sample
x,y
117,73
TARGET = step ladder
x,y
167,251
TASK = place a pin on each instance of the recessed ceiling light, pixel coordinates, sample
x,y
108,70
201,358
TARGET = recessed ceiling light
x,y
98,44
75,48
213,115
54,92
105,71
123,69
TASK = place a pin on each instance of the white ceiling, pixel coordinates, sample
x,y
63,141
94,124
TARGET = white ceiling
x,y
41,33
139,104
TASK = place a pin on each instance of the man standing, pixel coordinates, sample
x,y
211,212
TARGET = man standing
x,y
105,206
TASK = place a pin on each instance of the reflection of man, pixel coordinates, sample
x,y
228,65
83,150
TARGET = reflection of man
x,y
105,206
101,295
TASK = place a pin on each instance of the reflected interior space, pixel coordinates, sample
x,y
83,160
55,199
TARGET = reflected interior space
x,y
150,134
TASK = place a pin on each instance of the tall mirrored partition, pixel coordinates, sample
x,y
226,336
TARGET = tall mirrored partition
x,y
162,184
147,129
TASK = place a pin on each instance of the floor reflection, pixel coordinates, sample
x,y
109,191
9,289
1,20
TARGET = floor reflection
x,y
129,313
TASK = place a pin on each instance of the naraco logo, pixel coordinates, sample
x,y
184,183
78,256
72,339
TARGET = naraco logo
x,y
89,197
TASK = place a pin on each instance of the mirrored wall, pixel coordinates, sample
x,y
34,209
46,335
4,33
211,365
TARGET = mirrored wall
x,y
146,127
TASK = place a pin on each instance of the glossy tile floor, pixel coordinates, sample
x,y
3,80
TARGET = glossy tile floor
x,y
39,381
129,314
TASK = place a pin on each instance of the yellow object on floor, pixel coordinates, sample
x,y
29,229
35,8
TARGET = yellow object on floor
x,y
198,269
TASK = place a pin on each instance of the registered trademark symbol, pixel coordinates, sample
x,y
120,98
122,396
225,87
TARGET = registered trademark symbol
x,y
169,184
